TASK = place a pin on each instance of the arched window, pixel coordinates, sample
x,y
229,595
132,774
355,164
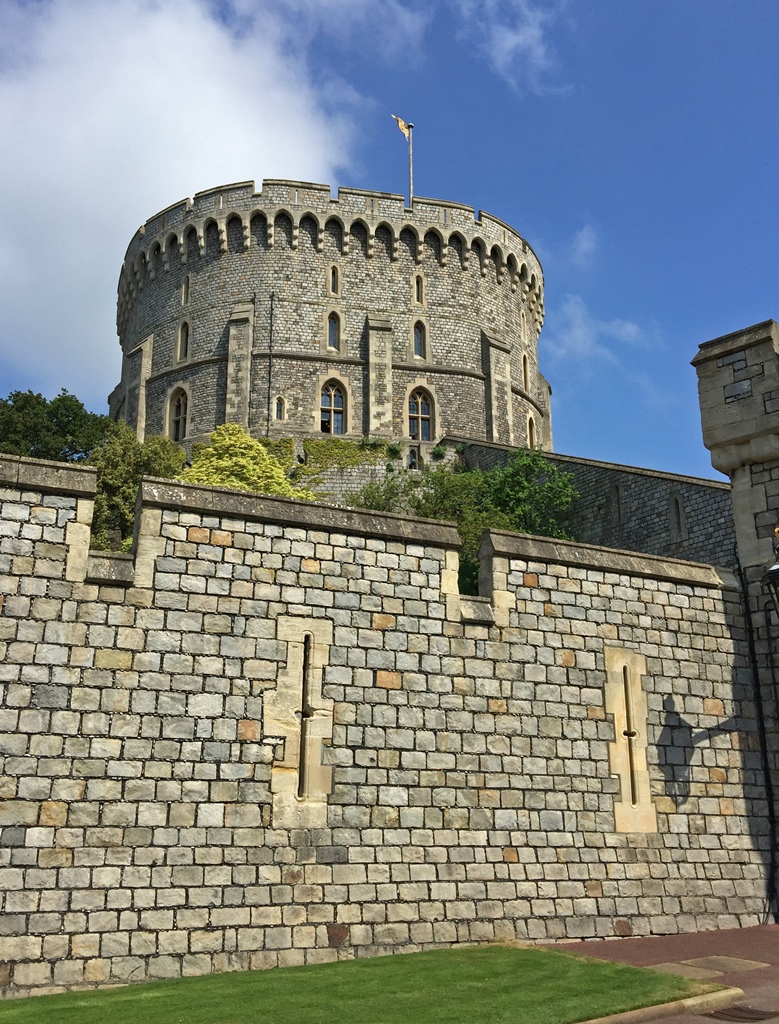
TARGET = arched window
x,y
420,415
279,408
414,459
334,282
525,374
420,346
531,432
183,341
419,290
332,409
185,291
178,414
334,331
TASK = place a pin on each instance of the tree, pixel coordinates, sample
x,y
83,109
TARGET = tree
x,y
528,495
234,459
60,429
121,460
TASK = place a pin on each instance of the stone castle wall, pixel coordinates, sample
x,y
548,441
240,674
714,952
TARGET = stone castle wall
x,y
636,509
248,276
276,734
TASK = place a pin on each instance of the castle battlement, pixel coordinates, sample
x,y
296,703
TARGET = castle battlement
x,y
248,305
490,237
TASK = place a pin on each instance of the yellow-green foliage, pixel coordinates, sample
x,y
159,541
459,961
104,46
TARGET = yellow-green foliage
x,y
233,459
334,453
282,449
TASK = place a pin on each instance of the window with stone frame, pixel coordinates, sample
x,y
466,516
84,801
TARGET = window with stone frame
x,y
183,346
420,415
332,409
420,340
334,331
178,414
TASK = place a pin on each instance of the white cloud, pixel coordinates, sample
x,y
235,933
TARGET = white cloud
x,y
573,333
583,247
109,112
514,35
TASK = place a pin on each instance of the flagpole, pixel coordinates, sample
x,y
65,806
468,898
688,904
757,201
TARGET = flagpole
x,y
407,129
410,165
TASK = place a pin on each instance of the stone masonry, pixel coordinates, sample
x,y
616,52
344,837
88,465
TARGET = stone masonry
x,y
225,303
276,734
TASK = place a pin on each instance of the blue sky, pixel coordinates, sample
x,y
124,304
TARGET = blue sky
x,y
633,144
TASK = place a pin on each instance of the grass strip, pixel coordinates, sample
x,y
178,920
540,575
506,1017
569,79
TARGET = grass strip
x,y
472,985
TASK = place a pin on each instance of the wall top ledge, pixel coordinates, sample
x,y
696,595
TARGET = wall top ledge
x,y
768,330
168,494
49,477
589,556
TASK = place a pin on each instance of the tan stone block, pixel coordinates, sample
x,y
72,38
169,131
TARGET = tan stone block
x,y
56,858
249,729
593,888
197,535
382,621
665,805
310,565
53,812
718,775
568,659
713,707
531,579
221,538
84,945
96,970
108,658
497,706
595,713
726,806
510,855
388,680
7,783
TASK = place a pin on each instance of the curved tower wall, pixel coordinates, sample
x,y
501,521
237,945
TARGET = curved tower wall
x,y
226,300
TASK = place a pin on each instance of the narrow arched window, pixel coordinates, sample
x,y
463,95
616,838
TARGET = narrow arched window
x,y
419,289
183,341
178,415
420,415
185,291
332,409
279,408
333,331
414,461
531,432
525,374
334,283
419,340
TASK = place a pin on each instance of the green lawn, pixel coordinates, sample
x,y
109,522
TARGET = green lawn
x,y
476,985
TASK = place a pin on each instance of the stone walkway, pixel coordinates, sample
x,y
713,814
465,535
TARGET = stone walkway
x,y
745,958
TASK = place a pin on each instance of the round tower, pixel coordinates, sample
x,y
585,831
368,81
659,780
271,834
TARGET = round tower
x,y
295,314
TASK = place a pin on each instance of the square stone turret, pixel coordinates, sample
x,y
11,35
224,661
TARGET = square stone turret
x,y
738,387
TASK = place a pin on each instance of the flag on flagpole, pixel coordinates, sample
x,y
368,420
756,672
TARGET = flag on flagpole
x,y
405,128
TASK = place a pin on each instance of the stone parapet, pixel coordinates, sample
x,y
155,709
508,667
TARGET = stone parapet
x,y
277,735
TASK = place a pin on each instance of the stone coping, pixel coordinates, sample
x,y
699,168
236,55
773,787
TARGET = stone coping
x,y
219,501
590,556
768,330
50,477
